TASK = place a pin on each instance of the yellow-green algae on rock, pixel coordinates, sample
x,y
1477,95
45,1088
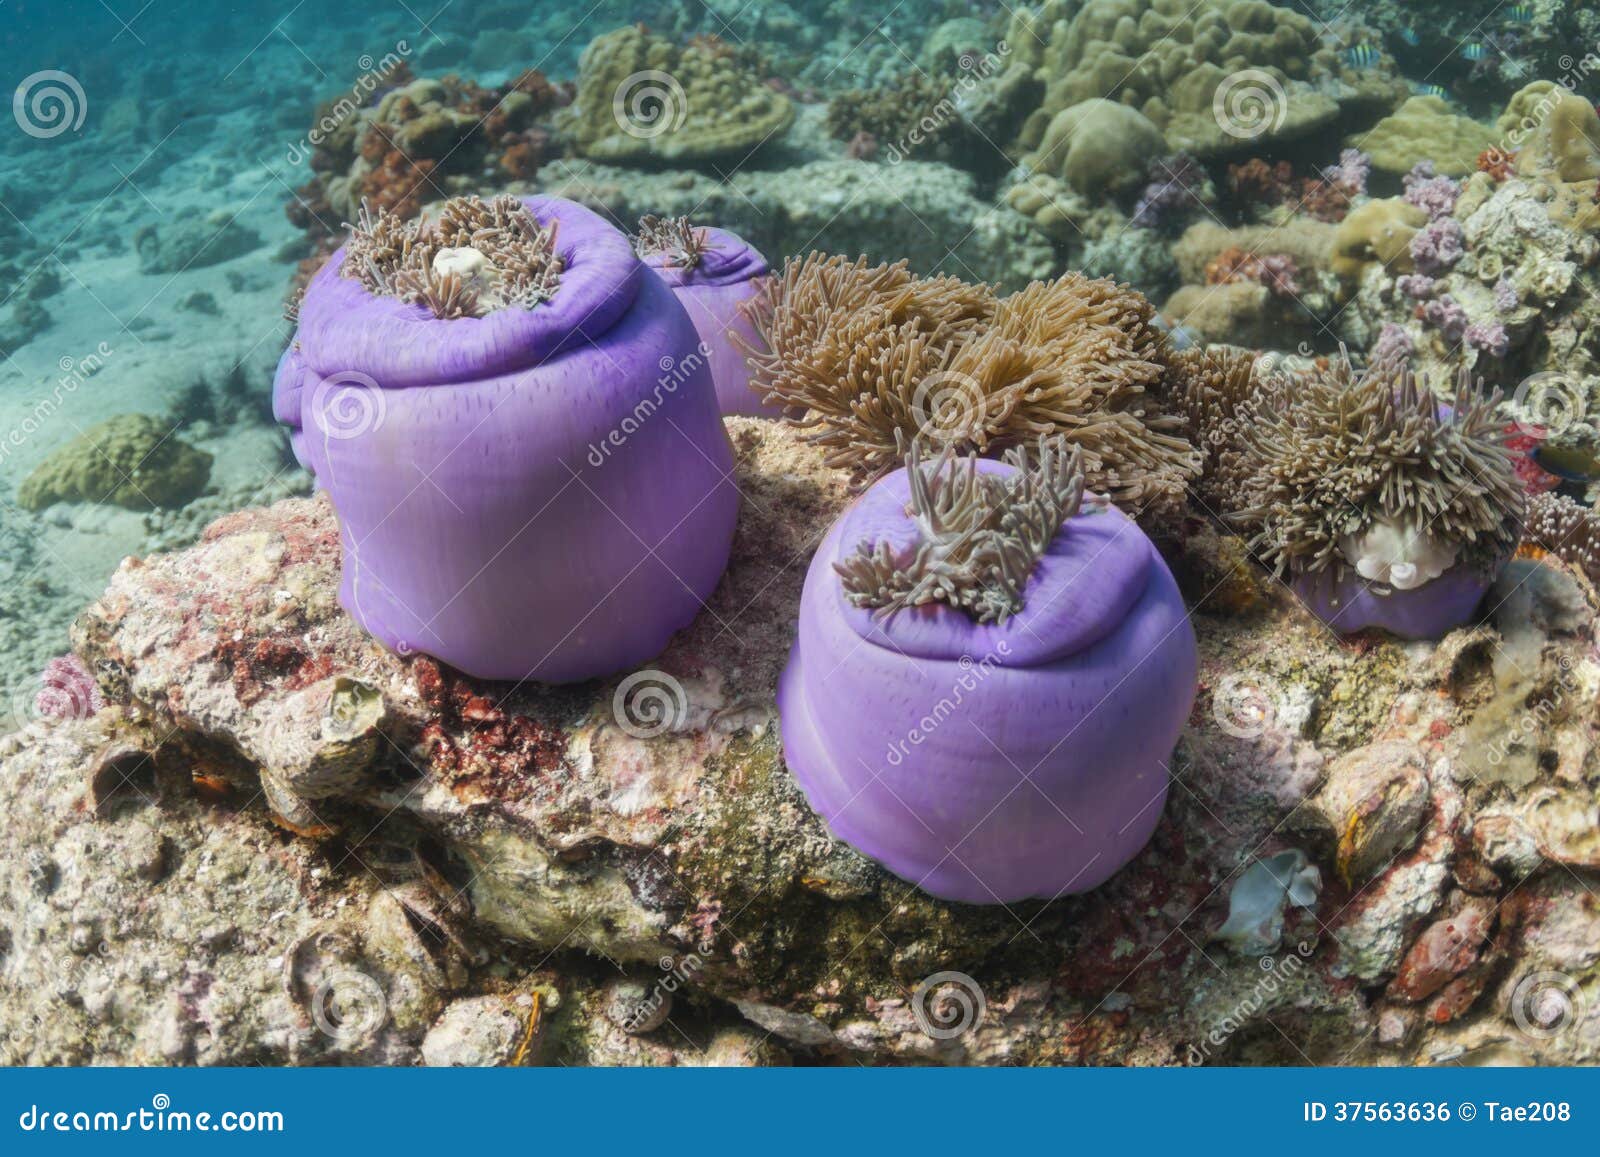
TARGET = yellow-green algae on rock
x,y
130,460
1425,128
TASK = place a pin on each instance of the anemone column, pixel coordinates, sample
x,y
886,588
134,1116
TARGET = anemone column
x,y
544,491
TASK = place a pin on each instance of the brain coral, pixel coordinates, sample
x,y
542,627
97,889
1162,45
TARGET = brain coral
x,y
642,98
1554,132
1098,145
1169,58
131,460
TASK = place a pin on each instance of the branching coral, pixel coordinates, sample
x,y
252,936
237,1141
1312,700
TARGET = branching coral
x,y
1353,455
911,114
862,355
679,243
1326,197
476,257
981,534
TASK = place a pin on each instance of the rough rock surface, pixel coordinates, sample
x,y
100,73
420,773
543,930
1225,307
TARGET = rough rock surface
x,y
493,858
926,212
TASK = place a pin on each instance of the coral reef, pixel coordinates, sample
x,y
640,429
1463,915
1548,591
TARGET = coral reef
x,y
193,240
1212,76
130,460
421,140
928,214
696,843
1097,146
911,115
1425,127
642,99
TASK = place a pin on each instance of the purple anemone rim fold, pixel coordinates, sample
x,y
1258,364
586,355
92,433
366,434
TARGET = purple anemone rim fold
x,y
1350,603
344,328
728,260
1083,586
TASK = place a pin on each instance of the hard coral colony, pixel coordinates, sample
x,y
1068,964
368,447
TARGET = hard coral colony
x,y
461,391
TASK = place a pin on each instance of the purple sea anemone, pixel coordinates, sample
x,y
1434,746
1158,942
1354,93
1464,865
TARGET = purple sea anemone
x,y
538,487
1358,500
713,272
987,682
1348,603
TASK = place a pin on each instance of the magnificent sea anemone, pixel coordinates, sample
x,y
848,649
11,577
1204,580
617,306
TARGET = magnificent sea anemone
x,y
509,413
862,356
988,678
1381,504
713,272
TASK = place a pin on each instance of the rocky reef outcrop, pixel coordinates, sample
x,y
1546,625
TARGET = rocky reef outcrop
x,y
280,843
